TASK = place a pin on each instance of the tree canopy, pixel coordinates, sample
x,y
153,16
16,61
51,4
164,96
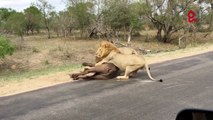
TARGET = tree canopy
x,y
108,16
33,18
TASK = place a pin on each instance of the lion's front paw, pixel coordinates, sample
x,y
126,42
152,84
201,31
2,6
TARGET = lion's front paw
x,y
122,77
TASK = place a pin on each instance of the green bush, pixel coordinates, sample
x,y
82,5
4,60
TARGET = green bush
x,y
6,48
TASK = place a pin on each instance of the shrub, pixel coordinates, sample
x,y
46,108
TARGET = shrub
x,y
6,48
35,50
46,62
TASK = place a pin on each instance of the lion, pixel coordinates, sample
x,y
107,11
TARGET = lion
x,y
102,53
130,63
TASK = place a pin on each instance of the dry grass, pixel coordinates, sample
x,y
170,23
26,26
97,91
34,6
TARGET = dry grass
x,y
42,62
61,76
38,52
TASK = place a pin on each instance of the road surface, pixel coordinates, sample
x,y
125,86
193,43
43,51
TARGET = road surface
x,y
188,83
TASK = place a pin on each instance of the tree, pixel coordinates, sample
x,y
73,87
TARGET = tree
x,y
17,23
210,11
167,16
211,17
62,23
4,15
83,14
5,47
46,10
122,15
55,23
33,19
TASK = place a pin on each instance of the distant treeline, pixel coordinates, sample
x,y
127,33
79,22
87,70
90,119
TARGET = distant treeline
x,y
107,18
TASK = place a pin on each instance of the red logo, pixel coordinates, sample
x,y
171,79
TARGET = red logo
x,y
191,16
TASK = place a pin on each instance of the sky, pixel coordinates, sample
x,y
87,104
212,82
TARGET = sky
x,y
20,5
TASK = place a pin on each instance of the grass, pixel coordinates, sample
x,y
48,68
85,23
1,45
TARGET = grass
x,y
18,76
42,56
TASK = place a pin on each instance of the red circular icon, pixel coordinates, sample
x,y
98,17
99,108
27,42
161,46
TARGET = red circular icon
x,y
191,16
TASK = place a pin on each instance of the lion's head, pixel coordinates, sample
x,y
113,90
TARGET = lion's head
x,y
104,49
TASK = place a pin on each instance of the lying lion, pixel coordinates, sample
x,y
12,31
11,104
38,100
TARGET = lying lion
x,y
130,63
100,72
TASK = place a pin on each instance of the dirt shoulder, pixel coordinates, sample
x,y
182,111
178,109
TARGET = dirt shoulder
x,y
25,85
165,56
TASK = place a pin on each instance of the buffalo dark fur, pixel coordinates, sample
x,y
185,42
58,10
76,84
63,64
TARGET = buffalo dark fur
x,y
101,72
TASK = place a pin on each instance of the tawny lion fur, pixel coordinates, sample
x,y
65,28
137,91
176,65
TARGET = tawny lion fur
x,y
130,63
102,52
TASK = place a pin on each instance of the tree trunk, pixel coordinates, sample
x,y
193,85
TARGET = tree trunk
x,y
159,36
32,31
211,18
27,32
47,27
82,32
93,33
129,36
70,31
48,30
129,39
57,31
46,24
167,37
167,33
22,37
126,34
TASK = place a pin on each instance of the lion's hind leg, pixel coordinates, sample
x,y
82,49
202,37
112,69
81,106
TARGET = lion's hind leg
x,y
132,74
128,71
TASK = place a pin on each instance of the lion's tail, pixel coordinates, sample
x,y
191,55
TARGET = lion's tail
x,y
148,72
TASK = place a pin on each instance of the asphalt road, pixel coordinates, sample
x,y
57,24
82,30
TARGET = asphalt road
x,y
188,83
